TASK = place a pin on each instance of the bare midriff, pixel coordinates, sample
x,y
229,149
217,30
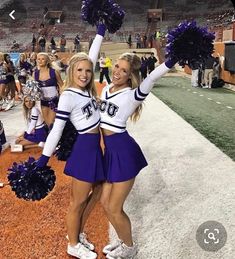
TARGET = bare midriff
x,y
107,132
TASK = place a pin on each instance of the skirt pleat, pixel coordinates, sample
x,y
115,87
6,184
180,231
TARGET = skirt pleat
x,y
123,158
85,162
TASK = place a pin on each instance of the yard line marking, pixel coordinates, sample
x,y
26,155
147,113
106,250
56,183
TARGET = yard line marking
x,y
209,98
194,92
201,95
218,102
229,107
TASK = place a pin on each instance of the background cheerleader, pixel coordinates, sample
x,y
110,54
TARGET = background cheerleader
x,y
36,130
50,82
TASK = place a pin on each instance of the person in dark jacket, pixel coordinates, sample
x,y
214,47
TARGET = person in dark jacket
x,y
151,62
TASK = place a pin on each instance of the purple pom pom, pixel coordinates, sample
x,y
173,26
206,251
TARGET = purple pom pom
x,y
189,42
110,13
66,142
30,182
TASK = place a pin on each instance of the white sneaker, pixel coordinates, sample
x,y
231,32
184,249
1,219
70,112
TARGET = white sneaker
x,y
80,251
5,146
85,242
113,245
123,251
41,144
4,104
10,104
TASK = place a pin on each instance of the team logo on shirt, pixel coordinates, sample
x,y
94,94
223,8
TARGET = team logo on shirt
x,y
109,107
87,109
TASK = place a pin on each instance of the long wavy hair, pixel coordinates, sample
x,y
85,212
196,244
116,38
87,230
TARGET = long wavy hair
x,y
134,80
69,81
26,110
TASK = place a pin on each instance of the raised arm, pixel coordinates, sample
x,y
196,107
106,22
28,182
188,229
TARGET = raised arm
x,y
146,86
96,44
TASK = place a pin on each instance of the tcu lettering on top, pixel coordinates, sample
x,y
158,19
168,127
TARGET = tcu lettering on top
x,y
87,109
108,107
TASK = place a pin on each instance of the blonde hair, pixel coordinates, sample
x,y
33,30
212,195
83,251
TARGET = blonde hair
x,y
27,111
69,81
47,58
134,80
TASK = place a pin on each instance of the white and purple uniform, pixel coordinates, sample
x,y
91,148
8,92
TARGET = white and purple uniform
x,y
36,131
49,89
85,162
123,157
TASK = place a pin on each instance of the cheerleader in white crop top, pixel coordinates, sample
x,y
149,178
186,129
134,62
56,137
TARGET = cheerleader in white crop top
x,y
77,103
36,129
123,158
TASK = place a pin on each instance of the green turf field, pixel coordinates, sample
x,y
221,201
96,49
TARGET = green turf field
x,y
210,111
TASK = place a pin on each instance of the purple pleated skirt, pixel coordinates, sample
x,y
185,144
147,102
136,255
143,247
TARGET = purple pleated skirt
x,y
123,158
40,135
85,162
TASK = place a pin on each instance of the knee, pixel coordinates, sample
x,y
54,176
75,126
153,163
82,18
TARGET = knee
x,y
76,204
104,202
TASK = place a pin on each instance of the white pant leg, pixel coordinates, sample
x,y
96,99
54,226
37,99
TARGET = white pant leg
x,y
194,77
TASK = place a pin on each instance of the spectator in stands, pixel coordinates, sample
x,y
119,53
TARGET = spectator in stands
x,y
104,70
53,44
144,67
42,30
129,41
138,41
77,43
208,71
145,41
62,43
34,41
15,45
151,62
42,43
36,132
194,65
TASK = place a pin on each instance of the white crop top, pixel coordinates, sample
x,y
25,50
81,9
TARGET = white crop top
x,y
35,121
77,106
117,107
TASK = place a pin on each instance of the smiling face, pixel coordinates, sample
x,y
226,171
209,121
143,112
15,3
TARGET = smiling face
x,y
121,73
42,60
28,103
82,74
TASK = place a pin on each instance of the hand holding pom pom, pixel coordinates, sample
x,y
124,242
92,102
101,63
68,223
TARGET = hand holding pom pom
x,y
188,42
42,161
101,29
110,13
30,182
66,142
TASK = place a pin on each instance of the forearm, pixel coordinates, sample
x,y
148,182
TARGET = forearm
x,y
95,49
148,83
